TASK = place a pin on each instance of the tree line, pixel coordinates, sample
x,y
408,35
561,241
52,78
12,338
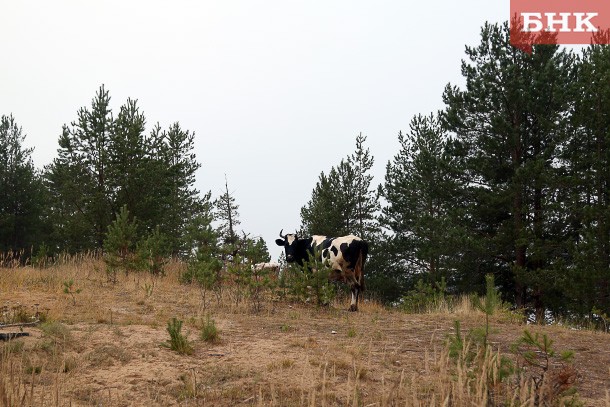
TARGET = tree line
x,y
110,174
510,178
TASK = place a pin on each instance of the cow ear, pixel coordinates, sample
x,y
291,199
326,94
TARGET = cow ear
x,y
279,242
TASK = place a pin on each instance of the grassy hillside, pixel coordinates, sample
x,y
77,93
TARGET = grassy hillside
x,y
108,344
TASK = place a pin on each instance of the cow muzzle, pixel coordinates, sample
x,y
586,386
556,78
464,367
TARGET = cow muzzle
x,y
290,258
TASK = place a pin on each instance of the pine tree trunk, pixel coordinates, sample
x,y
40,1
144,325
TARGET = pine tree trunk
x,y
520,248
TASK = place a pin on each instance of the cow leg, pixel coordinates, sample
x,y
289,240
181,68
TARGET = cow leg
x,y
355,293
350,279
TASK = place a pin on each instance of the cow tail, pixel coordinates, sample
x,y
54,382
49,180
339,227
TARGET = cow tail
x,y
359,269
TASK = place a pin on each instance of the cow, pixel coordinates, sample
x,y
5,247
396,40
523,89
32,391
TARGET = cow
x,y
266,266
273,268
344,255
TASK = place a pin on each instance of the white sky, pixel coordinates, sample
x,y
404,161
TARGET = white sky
x,y
276,91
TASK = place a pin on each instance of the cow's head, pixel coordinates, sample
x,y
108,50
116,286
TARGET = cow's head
x,y
291,246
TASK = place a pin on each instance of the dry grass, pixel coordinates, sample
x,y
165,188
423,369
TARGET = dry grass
x,y
107,349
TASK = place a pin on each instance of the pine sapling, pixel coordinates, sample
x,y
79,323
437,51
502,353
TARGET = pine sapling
x,y
209,332
178,342
70,289
488,306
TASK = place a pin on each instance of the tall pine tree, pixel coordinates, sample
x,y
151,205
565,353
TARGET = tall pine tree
x,y
105,163
23,196
321,215
420,193
129,176
78,177
508,125
343,202
179,196
587,158
366,201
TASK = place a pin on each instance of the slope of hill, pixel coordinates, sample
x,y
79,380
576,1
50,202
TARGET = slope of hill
x,y
107,345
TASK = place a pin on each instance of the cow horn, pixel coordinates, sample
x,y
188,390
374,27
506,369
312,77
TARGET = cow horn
x,y
281,233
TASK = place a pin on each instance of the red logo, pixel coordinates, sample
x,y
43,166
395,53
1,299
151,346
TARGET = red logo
x,y
559,22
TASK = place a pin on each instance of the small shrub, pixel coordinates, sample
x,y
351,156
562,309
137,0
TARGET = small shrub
x,y
351,332
205,272
188,390
13,346
258,282
148,289
488,306
600,319
310,280
31,369
424,296
42,258
153,252
552,373
57,336
286,328
178,342
209,332
324,290
119,245
55,330
71,290
455,343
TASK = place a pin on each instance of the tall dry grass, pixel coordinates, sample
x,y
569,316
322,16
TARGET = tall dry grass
x,y
441,381
20,380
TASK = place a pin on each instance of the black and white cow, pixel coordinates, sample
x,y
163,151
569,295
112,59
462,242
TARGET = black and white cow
x,y
345,256
266,266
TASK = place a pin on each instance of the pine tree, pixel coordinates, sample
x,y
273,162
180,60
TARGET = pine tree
x,y
256,250
78,177
129,175
153,252
228,216
120,244
199,235
420,193
343,179
508,125
366,201
104,164
322,215
23,196
343,201
587,196
179,196
204,251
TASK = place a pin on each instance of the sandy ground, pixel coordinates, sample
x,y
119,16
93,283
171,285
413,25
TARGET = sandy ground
x,y
110,349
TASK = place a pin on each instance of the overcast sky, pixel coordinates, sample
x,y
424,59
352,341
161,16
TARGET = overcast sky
x,y
275,91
